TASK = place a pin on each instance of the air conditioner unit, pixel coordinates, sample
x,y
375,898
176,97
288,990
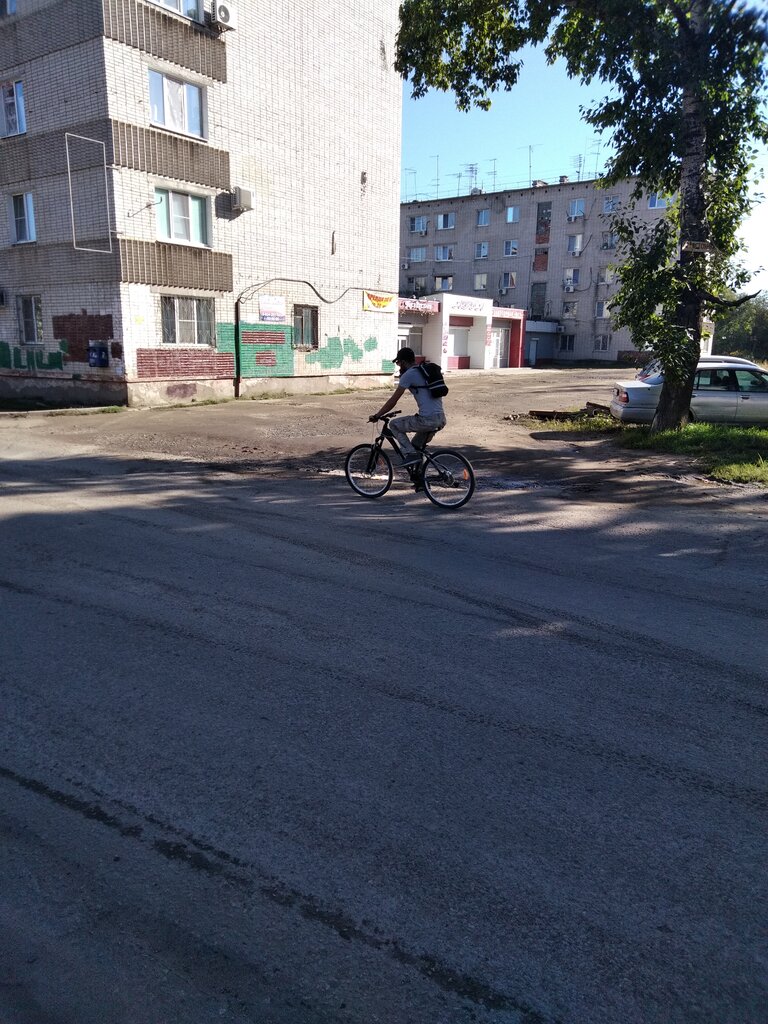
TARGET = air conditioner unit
x,y
242,199
576,252
560,329
405,265
570,288
224,15
570,218
503,291
605,245
422,233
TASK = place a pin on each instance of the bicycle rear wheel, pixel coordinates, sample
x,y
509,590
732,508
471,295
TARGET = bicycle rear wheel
x,y
368,470
449,479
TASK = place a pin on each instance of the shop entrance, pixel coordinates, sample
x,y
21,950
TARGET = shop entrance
x,y
499,348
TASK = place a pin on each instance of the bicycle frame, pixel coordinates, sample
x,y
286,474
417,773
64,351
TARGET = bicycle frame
x,y
386,434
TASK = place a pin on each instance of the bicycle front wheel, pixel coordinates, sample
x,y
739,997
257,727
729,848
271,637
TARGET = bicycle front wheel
x,y
449,479
368,470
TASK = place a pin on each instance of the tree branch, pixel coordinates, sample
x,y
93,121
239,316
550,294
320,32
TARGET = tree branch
x,y
727,303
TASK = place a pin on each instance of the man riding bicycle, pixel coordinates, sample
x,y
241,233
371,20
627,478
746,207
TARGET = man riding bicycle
x,y
430,417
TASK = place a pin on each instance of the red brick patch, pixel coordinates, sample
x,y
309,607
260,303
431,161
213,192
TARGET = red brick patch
x,y
263,337
183,363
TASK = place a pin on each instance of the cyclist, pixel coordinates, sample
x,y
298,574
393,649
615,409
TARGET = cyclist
x,y
430,417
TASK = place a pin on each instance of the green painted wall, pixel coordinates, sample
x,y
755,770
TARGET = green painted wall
x,y
20,357
277,358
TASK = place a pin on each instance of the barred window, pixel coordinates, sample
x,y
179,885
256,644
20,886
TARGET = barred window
x,y
187,321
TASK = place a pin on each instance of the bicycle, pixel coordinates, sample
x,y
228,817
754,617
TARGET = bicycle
x,y
445,476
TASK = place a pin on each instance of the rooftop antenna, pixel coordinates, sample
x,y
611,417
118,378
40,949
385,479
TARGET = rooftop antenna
x,y
530,158
578,163
436,158
471,170
596,150
458,184
493,173
410,170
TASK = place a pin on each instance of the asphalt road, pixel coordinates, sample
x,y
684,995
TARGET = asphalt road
x,y
275,754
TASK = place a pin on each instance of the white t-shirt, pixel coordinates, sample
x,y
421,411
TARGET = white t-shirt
x,y
414,381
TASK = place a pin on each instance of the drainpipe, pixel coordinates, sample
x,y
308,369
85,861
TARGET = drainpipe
x,y
237,348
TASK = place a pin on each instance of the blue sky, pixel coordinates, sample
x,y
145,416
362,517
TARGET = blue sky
x,y
533,131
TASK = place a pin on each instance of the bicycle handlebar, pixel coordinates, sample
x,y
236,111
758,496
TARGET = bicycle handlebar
x,y
386,416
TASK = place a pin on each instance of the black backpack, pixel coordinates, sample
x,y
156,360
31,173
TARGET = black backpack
x,y
433,376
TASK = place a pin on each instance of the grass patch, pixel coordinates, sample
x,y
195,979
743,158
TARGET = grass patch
x,y
729,454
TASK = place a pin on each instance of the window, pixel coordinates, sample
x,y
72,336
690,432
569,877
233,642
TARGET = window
x,y
513,214
446,221
417,254
571,278
715,380
483,218
23,218
610,240
567,342
751,380
539,305
611,204
510,247
181,217
175,104
481,250
575,244
443,253
305,332
481,282
657,201
29,310
13,120
605,275
543,221
508,279
444,284
417,224
187,321
602,342
570,309
575,208
189,8
602,310
7,7
417,285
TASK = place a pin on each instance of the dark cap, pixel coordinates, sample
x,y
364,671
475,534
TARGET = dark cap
x,y
406,355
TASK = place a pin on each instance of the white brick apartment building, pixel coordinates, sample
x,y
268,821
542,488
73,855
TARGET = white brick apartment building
x,y
548,250
191,208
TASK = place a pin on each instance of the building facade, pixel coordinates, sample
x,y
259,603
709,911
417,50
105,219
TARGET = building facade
x,y
548,250
197,198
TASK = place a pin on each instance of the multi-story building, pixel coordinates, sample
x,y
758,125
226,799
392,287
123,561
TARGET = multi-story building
x,y
548,250
196,197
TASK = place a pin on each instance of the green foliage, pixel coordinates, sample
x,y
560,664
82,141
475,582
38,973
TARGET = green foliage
x,y
743,330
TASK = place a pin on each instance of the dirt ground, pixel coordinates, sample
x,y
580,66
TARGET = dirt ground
x,y
298,434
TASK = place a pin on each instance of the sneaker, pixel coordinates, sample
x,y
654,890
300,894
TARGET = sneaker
x,y
412,459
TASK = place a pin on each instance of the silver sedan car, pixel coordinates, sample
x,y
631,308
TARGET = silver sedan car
x,y
722,393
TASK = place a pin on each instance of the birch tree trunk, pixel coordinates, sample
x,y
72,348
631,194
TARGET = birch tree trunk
x,y
673,410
